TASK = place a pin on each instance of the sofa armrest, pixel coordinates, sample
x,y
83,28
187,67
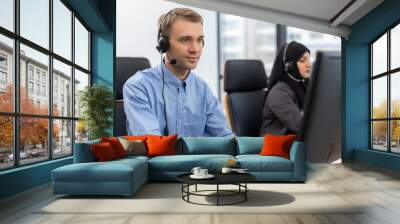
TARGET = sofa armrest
x,y
83,152
298,157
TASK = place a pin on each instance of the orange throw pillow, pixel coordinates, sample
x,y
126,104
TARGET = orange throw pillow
x,y
135,137
161,145
103,151
277,145
116,145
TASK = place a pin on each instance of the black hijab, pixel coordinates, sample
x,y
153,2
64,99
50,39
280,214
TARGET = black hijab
x,y
294,52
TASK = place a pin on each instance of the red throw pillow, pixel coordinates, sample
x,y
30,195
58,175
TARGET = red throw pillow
x,y
116,145
161,145
277,145
103,151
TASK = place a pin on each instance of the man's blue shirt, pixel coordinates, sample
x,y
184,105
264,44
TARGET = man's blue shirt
x,y
191,108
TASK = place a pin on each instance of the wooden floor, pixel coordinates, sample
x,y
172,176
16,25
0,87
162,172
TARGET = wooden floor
x,y
378,188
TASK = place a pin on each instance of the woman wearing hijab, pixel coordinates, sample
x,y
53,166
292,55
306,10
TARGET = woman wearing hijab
x,y
284,103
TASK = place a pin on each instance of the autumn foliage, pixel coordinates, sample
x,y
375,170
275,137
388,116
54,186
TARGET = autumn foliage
x,y
380,127
33,131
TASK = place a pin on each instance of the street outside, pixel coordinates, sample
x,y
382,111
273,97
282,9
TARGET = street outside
x,y
32,156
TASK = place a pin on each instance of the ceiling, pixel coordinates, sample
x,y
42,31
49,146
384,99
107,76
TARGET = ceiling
x,y
327,16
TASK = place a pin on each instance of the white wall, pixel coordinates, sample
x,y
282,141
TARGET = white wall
x,y
137,35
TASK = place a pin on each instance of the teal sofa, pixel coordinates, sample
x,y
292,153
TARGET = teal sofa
x,y
125,176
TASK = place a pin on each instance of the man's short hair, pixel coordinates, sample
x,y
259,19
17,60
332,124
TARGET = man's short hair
x,y
164,24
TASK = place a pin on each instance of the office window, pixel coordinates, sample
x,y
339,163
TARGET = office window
x,y
7,14
62,29
40,62
33,140
314,41
6,71
385,94
6,142
243,38
50,135
395,47
62,137
81,45
35,21
63,73
81,81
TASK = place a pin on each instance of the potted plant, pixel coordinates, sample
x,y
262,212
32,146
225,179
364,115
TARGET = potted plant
x,y
96,102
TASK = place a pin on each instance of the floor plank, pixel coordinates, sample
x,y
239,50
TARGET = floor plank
x,y
377,189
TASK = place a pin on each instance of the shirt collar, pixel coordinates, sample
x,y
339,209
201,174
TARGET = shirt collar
x,y
172,81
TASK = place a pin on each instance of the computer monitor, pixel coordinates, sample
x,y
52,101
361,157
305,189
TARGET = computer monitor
x,y
322,120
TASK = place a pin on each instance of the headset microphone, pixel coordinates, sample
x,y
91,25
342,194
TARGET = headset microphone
x,y
173,61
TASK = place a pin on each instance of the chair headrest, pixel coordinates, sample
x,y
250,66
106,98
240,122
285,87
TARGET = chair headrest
x,y
127,67
244,76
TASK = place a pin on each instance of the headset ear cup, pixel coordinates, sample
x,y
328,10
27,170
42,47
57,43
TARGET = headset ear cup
x,y
289,67
162,45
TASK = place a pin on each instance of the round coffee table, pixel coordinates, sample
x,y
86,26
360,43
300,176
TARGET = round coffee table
x,y
238,179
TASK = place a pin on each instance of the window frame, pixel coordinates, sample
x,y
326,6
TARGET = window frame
x,y
16,114
388,74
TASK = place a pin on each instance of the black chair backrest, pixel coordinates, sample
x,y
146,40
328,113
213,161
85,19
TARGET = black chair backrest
x,y
126,67
245,82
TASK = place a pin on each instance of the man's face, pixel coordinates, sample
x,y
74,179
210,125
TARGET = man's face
x,y
186,43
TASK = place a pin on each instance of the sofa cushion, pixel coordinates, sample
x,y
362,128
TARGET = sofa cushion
x,y
103,152
257,163
249,145
83,153
111,171
161,145
116,145
206,145
185,163
136,147
277,145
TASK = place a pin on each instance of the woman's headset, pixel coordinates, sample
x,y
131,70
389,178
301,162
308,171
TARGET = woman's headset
x,y
289,65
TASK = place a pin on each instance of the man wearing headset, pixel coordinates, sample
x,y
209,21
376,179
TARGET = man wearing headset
x,y
169,98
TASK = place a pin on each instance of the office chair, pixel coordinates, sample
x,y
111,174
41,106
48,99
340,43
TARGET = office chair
x,y
245,82
126,67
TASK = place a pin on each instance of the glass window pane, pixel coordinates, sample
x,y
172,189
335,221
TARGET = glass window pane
x,y
379,135
62,29
243,38
379,55
6,142
35,21
81,45
34,97
7,14
62,138
62,89
379,98
395,136
6,74
33,140
81,81
314,41
395,94
395,47
81,131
